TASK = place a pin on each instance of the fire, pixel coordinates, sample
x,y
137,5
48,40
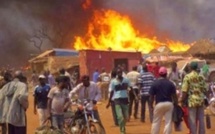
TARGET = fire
x,y
109,29
176,46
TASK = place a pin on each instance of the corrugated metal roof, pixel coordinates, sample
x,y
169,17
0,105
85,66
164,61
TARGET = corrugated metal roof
x,y
46,53
65,52
57,52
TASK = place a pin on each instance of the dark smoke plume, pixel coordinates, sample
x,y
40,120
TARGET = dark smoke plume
x,y
44,23
183,20
54,23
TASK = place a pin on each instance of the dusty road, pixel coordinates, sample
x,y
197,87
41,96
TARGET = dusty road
x,y
133,127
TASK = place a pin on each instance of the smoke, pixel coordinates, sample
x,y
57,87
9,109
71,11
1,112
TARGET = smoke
x,y
56,22
24,23
183,20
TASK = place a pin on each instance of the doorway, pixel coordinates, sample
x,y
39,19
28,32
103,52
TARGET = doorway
x,y
121,63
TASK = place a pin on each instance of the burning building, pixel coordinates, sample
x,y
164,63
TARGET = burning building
x,y
110,29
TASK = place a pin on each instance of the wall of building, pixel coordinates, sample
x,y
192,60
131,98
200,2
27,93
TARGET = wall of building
x,y
90,60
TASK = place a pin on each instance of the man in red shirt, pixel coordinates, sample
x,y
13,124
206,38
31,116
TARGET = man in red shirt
x,y
155,70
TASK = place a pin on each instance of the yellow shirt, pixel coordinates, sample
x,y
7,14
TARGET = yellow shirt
x,y
194,85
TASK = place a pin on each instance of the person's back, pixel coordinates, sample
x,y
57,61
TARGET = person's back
x,y
95,76
16,114
174,75
132,77
205,70
34,79
163,90
164,93
156,68
4,104
20,96
145,81
51,79
196,89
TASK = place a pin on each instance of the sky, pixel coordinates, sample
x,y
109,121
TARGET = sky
x,y
22,20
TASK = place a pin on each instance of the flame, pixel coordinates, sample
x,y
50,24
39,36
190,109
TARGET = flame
x,y
177,46
86,4
110,30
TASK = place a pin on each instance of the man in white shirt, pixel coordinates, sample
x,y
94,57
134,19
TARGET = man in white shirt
x,y
133,93
88,90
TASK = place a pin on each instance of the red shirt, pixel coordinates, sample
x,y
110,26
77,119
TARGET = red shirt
x,y
150,68
156,71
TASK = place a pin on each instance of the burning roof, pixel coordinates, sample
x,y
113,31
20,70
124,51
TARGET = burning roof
x,y
110,29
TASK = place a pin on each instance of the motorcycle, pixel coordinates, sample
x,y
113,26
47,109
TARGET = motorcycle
x,y
83,120
212,98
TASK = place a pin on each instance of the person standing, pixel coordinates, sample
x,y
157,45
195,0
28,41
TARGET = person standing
x,y
194,91
113,76
164,93
17,96
134,92
58,102
40,100
95,76
119,91
205,70
174,75
156,68
7,79
145,82
34,79
63,72
105,80
140,66
51,80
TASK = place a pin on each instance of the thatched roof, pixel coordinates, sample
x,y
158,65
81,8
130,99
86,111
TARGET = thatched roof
x,y
161,50
55,63
154,51
204,46
164,49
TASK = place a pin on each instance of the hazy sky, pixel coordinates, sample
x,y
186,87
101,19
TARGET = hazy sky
x,y
183,20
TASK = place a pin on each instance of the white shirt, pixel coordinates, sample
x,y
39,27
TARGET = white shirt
x,y
91,92
133,78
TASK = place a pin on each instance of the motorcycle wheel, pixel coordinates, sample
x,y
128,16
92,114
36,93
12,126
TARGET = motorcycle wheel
x,y
95,128
212,107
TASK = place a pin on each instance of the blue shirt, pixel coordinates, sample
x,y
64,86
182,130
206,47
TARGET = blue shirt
x,y
120,88
163,90
51,80
95,76
145,81
41,95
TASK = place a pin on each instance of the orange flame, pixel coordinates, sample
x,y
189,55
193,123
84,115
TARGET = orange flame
x,y
177,46
109,29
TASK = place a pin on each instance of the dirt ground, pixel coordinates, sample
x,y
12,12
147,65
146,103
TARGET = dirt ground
x,y
133,127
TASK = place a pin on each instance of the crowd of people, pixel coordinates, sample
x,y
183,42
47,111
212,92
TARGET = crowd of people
x,y
160,89
145,84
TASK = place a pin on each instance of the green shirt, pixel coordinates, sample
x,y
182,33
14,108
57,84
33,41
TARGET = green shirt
x,y
195,86
205,69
